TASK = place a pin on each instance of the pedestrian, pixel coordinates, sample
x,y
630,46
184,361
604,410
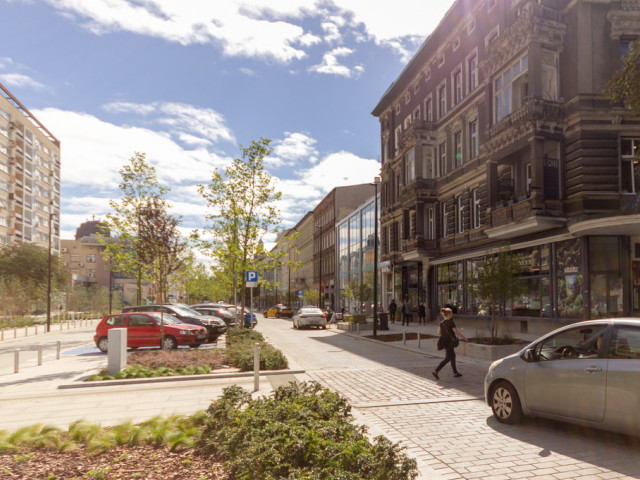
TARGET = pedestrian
x,y
447,332
405,309
393,308
422,314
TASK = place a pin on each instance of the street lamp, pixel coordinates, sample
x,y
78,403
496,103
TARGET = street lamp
x,y
51,214
318,227
376,181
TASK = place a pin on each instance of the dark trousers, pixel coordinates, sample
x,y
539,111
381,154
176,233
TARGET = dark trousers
x,y
406,317
449,357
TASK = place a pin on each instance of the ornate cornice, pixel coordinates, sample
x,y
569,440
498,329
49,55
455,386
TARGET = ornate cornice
x,y
626,21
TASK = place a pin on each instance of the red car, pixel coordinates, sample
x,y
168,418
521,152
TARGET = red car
x,y
143,330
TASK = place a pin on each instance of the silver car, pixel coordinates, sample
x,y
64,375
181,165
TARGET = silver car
x,y
586,373
309,317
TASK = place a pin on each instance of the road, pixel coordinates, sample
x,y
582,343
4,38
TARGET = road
x,y
445,424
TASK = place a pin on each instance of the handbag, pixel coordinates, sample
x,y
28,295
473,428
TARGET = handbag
x,y
456,341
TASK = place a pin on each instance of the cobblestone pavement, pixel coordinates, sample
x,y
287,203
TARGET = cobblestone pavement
x,y
446,424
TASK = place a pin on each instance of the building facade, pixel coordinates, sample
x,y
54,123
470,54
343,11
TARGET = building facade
x,y
497,134
336,205
355,236
29,177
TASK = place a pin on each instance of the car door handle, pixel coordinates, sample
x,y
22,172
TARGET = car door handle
x,y
593,369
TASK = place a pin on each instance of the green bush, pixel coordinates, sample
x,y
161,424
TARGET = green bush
x,y
240,349
301,431
356,318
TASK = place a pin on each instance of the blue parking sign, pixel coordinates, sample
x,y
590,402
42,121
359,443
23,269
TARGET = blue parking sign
x,y
252,276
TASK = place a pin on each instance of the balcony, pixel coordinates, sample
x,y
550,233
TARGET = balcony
x,y
417,246
525,216
413,190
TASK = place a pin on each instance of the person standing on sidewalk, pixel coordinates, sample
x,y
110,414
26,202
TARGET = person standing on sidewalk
x,y
447,332
405,309
393,308
422,314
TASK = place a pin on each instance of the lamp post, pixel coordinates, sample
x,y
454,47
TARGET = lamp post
x,y
318,227
376,181
51,214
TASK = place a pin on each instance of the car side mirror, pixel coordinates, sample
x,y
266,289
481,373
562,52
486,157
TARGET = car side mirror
x,y
530,355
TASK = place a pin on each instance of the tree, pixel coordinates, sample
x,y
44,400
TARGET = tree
x,y
310,296
24,274
495,282
139,184
241,202
357,292
624,85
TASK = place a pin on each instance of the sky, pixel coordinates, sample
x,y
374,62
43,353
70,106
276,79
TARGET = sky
x,y
191,82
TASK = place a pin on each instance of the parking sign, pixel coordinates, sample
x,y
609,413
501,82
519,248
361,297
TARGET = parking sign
x,y
251,278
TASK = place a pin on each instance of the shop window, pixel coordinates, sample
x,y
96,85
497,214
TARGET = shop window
x,y
629,166
569,279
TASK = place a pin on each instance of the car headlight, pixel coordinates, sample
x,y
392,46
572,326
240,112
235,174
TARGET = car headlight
x,y
186,332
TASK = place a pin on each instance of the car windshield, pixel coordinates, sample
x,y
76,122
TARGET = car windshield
x,y
311,311
166,318
184,310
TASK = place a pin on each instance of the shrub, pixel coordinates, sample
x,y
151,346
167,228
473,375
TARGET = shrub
x,y
240,348
301,431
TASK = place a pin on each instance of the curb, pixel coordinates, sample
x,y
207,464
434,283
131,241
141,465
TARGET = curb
x,y
177,378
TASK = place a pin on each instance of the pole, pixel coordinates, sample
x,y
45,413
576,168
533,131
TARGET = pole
x,y
49,274
235,298
320,305
375,259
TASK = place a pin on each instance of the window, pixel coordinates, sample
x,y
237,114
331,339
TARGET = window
x,y
442,157
472,72
510,89
460,214
416,113
397,137
91,258
431,224
571,344
456,43
428,164
407,121
625,343
476,208
629,167
445,221
428,109
116,320
427,75
91,273
473,139
442,100
457,86
441,59
457,141
140,321
471,26
549,75
529,176
410,174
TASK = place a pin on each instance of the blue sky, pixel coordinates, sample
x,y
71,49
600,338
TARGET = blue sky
x,y
188,81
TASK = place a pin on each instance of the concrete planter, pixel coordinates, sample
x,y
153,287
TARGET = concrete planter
x,y
354,327
487,352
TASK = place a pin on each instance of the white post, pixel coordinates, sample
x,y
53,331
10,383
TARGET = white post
x,y
58,348
404,337
26,331
256,367
251,306
116,350
40,354
418,339
16,360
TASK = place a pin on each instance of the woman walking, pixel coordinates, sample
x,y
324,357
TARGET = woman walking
x,y
447,332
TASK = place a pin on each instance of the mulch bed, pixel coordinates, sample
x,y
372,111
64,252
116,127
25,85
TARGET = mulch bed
x,y
143,462
178,358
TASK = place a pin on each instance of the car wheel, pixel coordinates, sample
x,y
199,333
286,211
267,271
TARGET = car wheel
x,y
505,403
103,344
324,327
169,343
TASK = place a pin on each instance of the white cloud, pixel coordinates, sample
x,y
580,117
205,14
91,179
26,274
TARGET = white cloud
x,y
20,80
331,66
293,148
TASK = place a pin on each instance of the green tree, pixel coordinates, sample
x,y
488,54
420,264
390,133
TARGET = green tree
x,y
358,293
242,208
495,283
138,186
24,274
624,85
310,296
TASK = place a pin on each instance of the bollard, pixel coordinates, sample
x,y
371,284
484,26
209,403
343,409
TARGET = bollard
x,y
40,354
16,360
26,331
60,325
358,328
15,332
404,337
2,334
256,367
418,339
58,348
36,330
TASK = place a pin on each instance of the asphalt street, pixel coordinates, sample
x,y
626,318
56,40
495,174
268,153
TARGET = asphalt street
x,y
444,424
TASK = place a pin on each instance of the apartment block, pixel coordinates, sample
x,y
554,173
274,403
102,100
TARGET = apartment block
x,y
497,134
29,177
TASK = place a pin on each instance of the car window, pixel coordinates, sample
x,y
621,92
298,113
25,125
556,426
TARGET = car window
x,y
311,311
140,321
579,342
116,320
185,311
625,343
165,318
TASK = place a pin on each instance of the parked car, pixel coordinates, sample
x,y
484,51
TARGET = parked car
x,y
214,310
247,315
279,311
215,326
310,317
587,373
143,330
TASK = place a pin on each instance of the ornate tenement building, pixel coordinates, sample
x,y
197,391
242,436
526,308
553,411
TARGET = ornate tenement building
x,y
497,133
29,177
